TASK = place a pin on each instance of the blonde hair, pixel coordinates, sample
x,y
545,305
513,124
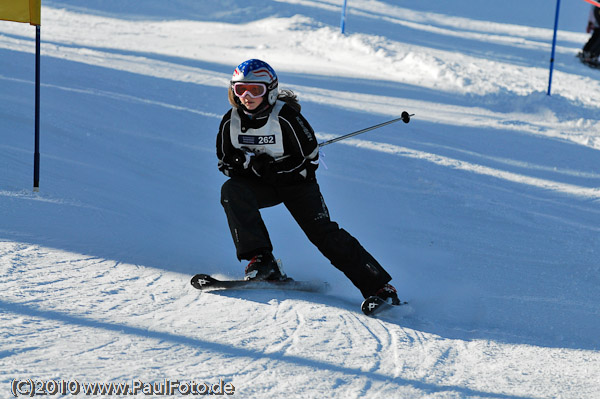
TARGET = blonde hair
x,y
231,98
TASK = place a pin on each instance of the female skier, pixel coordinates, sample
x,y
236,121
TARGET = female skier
x,y
591,49
270,153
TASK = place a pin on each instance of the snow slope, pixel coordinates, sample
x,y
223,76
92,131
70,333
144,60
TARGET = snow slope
x,y
485,208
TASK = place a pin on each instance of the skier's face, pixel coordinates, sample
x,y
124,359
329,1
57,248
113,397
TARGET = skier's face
x,y
251,103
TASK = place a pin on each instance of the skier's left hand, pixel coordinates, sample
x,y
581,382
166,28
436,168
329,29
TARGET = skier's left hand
x,y
590,27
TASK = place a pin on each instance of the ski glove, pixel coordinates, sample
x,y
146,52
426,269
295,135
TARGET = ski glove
x,y
590,27
263,165
238,159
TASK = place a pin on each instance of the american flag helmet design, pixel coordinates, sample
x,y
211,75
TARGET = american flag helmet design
x,y
258,71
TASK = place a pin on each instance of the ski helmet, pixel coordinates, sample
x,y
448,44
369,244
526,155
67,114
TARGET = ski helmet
x,y
257,71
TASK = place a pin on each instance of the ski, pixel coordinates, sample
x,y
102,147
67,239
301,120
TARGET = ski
x,y
371,306
374,305
205,282
590,63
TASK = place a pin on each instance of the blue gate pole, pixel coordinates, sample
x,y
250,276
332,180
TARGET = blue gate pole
x,y
36,154
553,45
343,22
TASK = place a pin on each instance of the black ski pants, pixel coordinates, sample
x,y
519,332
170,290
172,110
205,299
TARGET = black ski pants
x,y
593,44
242,199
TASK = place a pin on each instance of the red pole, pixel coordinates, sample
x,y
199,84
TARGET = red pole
x,y
597,4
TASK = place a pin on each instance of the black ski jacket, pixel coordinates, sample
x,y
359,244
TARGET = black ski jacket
x,y
281,132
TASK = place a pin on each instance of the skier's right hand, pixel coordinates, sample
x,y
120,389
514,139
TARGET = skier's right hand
x,y
590,27
238,159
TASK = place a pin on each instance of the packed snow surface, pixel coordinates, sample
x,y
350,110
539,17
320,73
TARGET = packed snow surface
x,y
485,208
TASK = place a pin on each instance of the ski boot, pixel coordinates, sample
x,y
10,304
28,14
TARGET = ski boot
x,y
389,294
588,58
264,267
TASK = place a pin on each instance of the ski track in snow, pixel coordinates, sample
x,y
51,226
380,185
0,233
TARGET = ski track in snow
x,y
74,306
116,314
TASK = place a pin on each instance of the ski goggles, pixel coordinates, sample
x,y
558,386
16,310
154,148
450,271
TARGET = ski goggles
x,y
254,90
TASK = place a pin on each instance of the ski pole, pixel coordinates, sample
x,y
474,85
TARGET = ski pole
x,y
405,117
